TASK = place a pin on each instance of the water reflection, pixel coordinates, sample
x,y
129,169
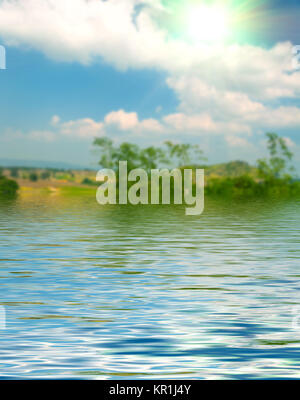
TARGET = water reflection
x,y
135,292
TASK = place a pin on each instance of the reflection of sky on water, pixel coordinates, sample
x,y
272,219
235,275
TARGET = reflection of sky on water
x,y
148,292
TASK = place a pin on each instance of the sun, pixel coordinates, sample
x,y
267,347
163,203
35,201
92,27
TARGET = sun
x,y
208,23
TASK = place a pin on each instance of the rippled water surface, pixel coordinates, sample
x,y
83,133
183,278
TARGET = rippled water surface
x,y
146,292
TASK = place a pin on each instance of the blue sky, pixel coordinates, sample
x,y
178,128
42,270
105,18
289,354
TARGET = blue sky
x,y
78,69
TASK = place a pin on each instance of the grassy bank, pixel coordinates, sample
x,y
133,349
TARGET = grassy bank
x,y
245,185
227,186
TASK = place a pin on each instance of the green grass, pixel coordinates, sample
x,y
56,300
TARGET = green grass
x,y
77,190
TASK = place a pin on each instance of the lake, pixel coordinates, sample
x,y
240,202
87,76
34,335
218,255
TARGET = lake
x,y
146,292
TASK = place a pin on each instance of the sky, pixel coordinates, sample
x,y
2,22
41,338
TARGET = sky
x,y
146,71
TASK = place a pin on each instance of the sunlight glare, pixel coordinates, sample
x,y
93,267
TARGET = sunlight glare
x,y
208,23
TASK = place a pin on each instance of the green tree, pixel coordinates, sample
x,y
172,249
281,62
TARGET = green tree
x,y
108,155
8,187
184,154
87,181
278,165
33,177
148,158
14,172
129,152
45,175
151,157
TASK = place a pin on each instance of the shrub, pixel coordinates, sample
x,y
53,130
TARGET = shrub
x,y
45,175
8,187
14,172
87,181
246,186
33,177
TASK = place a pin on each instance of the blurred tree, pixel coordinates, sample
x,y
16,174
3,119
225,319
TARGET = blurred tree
x,y
184,154
107,152
147,158
45,175
14,172
8,187
151,157
33,177
128,152
88,181
278,165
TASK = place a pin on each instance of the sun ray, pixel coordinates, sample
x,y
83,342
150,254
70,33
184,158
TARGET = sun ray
x,y
208,23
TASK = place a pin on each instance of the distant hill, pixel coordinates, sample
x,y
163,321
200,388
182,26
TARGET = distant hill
x,y
8,162
230,169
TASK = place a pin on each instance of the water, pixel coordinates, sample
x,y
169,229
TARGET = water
x,y
146,292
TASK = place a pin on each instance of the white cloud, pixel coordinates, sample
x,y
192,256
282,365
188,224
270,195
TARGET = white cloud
x,y
289,142
55,120
120,123
82,128
230,90
114,123
122,120
82,30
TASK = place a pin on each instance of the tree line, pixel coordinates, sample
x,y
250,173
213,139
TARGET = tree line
x,y
169,154
277,166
